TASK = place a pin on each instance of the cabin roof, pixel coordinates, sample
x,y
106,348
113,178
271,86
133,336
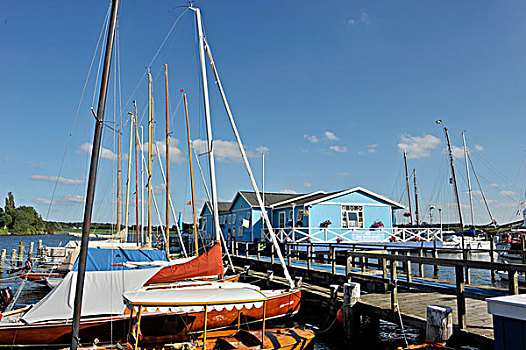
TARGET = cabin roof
x,y
223,207
355,189
270,198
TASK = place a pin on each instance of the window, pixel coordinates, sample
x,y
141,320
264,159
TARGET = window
x,y
282,219
240,231
229,219
202,224
352,216
234,219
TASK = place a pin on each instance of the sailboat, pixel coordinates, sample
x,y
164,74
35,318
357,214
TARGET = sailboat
x,y
88,304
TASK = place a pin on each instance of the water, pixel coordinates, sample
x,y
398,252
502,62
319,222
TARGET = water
x,y
370,335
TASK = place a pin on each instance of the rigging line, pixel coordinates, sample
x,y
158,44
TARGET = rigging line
x,y
98,68
154,57
78,111
481,191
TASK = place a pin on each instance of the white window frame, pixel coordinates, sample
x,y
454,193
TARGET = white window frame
x,y
282,219
356,209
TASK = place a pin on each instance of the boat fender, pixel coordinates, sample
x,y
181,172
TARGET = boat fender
x,y
339,315
6,295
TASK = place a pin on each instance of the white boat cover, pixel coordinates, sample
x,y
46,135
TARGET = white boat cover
x,y
102,294
194,296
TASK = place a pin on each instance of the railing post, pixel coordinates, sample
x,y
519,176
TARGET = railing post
x,y
309,256
492,259
394,287
436,267
420,265
513,282
258,250
232,246
466,252
353,258
272,253
30,252
13,258
40,249
246,249
408,269
384,275
362,263
461,297
333,260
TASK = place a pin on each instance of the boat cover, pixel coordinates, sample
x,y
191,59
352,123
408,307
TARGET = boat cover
x,y
207,264
102,294
100,259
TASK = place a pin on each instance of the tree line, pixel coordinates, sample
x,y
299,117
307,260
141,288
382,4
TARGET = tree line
x,y
22,219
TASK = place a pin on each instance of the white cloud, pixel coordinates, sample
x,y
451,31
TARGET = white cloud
x,y
418,146
176,154
262,149
42,201
339,149
74,198
288,191
494,185
364,18
343,173
311,138
225,150
351,22
61,180
307,184
478,148
329,135
105,153
507,193
372,148
158,189
458,152
34,165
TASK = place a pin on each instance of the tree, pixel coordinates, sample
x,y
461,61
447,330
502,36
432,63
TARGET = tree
x,y
27,220
10,203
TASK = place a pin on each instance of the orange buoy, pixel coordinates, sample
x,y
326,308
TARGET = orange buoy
x,y
339,316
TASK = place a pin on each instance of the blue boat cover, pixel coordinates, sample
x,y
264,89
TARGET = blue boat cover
x,y
101,259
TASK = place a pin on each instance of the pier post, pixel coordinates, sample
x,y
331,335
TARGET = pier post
x,y
40,249
246,249
351,295
272,253
384,275
461,297
13,258
436,267
362,263
408,273
513,282
232,246
333,261
236,248
394,286
21,248
492,258
523,249
439,325
467,257
309,257
420,265
353,261
2,259
30,251
258,251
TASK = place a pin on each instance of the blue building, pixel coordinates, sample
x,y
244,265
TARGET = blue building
x,y
351,215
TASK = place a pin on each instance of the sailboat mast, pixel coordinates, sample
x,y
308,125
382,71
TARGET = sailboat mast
x,y
90,195
408,190
454,180
167,163
126,217
191,173
210,148
150,151
119,181
469,180
417,214
136,174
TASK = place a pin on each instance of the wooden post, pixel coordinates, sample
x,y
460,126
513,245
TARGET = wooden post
x,y
394,289
258,250
272,253
351,295
30,252
523,249
513,282
439,325
288,255
333,261
232,246
362,263
467,257
353,261
309,256
40,249
236,246
436,267
408,274
384,274
492,258
420,265
2,259
246,249
461,297
21,248
13,258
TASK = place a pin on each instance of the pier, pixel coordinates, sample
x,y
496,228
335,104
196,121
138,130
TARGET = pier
x,y
393,280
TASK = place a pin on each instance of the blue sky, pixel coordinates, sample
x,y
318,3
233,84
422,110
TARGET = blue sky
x,y
330,91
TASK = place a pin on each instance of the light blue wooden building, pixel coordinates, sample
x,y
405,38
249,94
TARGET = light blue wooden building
x,y
352,215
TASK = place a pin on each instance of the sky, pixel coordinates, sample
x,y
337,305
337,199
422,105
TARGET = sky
x,y
332,92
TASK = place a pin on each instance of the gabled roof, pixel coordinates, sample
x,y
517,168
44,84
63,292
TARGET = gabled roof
x,y
355,189
299,200
222,206
270,198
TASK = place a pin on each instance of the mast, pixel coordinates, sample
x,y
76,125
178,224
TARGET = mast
x,y
469,180
248,168
417,215
128,178
136,175
90,195
142,185
167,163
408,191
191,173
150,151
210,148
454,180
119,181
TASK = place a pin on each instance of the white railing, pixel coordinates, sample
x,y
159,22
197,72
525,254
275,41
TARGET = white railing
x,y
352,235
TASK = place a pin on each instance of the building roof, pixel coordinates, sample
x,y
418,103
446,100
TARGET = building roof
x,y
270,198
355,189
300,200
223,207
